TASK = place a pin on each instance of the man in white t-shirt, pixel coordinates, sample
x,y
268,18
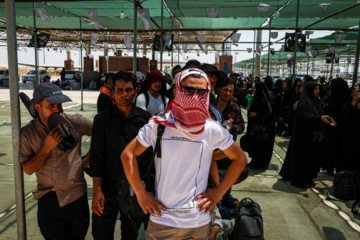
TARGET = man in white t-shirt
x,y
180,208
152,95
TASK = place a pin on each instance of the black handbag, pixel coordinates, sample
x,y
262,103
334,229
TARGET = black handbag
x,y
245,143
258,132
127,200
347,185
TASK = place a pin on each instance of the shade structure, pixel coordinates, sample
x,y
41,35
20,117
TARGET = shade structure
x,y
189,14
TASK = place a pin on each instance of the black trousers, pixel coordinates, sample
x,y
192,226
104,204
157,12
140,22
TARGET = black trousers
x,y
63,223
103,226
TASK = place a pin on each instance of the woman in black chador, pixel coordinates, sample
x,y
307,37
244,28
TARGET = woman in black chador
x,y
303,159
336,104
261,113
349,154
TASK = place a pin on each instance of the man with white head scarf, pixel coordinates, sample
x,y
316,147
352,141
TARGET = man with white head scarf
x,y
181,204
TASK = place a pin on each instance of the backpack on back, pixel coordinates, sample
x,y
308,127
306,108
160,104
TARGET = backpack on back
x,y
146,94
347,185
127,201
248,221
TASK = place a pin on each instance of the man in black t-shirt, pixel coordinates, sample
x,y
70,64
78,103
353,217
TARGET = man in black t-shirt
x,y
113,129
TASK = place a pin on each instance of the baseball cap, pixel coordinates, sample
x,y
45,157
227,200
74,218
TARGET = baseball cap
x,y
70,138
189,71
49,92
222,81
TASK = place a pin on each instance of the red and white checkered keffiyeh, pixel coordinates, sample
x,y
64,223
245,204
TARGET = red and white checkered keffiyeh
x,y
188,112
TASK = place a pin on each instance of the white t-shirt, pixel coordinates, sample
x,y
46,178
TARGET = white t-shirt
x,y
182,172
155,106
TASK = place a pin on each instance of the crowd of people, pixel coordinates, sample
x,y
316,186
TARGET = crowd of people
x,y
200,108
320,118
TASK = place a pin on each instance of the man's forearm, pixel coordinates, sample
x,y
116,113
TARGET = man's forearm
x,y
214,173
230,177
97,181
36,162
237,165
131,169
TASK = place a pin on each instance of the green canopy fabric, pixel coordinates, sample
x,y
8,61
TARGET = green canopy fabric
x,y
232,14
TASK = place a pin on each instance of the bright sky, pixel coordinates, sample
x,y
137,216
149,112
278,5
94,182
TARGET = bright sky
x,y
26,55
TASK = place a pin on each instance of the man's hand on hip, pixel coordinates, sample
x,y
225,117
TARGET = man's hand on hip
x,y
149,204
208,199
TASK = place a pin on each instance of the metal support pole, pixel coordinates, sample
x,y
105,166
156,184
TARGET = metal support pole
x,y
179,47
172,52
81,69
253,68
162,36
107,53
15,117
356,66
327,71
135,39
347,71
280,64
307,67
258,57
37,80
296,37
268,60
332,68
313,67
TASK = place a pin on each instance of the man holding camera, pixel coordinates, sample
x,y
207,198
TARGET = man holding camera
x,y
54,156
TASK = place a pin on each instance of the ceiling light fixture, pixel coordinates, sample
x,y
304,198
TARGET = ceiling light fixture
x,y
122,15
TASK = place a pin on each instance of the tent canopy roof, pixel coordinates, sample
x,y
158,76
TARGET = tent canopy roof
x,y
190,15
184,18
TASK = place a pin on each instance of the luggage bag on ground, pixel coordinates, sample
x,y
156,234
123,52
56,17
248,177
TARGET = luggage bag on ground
x,y
248,221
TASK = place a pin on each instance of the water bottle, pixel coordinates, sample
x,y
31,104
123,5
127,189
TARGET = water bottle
x,y
228,124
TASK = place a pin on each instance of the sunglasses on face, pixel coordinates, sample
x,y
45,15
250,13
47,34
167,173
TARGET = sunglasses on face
x,y
190,91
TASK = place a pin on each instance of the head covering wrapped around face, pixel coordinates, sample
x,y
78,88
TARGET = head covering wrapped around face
x,y
188,112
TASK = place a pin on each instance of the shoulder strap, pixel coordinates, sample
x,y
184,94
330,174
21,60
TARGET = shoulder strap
x,y
157,149
146,98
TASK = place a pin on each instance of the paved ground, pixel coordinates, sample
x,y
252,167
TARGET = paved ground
x,y
288,212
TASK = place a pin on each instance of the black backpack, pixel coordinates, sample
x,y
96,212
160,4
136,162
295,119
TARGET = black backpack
x,y
347,185
248,221
126,197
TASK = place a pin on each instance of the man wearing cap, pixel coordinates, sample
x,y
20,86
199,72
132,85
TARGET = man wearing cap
x,y
54,156
152,97
181,204
113,129
217,79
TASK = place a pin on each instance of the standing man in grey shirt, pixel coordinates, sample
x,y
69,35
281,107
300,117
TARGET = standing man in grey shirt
x,y
63,211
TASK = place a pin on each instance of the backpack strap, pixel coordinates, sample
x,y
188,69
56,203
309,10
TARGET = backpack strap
x,y
146,98
157,149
